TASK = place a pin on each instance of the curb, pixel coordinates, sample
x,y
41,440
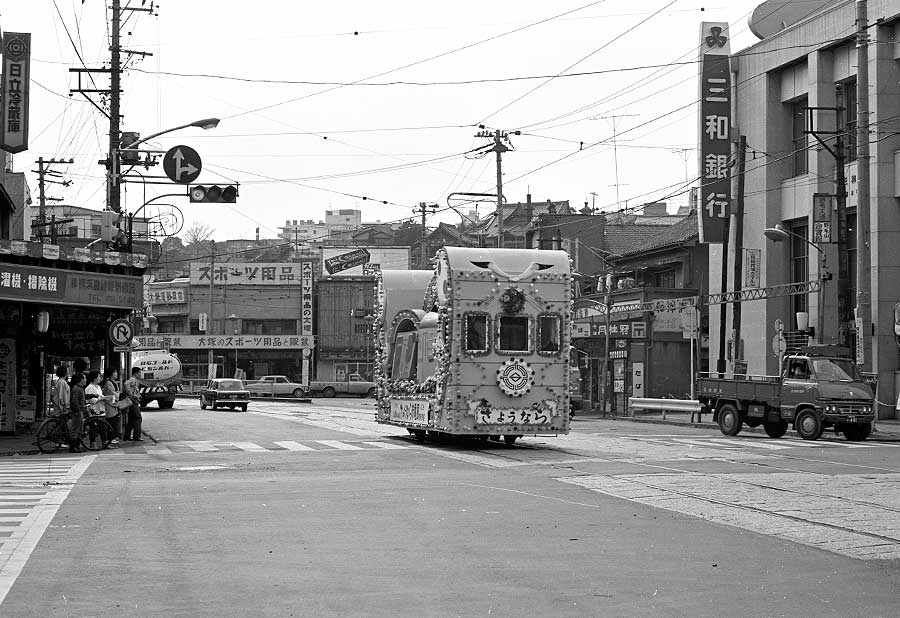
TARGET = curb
x,y
877,436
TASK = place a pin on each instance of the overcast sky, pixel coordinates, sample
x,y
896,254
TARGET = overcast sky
x,y
400,89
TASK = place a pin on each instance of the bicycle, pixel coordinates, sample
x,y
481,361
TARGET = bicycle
x,y
53,433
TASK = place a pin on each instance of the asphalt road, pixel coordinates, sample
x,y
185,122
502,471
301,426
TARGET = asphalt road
x,y
315,510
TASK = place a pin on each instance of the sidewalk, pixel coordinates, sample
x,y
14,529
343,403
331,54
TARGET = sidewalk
x,y
885,430
25,444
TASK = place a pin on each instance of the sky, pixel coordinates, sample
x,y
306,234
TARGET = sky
x,y
376,105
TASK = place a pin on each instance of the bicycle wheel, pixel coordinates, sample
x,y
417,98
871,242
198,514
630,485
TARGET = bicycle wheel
x,y
52,434
97,434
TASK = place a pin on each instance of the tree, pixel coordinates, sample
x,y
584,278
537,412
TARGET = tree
x,y
197,233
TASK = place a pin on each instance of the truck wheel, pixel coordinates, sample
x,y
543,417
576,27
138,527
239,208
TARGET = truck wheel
x,y
165,404
808,424
328,392
729,420
298,393
202,403
243,407
776,429
371,393
857,432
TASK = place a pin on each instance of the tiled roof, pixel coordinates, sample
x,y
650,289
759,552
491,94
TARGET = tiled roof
x,y
672,235
622,238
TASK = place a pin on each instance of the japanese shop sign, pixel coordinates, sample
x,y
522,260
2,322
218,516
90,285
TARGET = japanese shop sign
x,y
752,265
306,298
165,296
224,342
251,273
629,330
7,384
715,126
822,211
64,287
14,83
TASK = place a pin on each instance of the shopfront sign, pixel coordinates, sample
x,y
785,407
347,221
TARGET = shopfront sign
x,y
715,128
14,88
224,342
630,330
8,370
250,273
64,287
752,266
165,296
306,313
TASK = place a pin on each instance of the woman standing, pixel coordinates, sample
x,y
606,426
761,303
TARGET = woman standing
x,y
79,409
96,400
110,387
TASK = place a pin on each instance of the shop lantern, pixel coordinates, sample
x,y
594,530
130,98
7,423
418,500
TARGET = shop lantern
x,y
43,321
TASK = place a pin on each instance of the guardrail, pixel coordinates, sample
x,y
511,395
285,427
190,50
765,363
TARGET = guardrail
x,y
665,405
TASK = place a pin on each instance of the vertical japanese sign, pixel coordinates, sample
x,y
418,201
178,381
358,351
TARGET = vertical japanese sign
x,y
715,126
822,215
7,384
306,314
14,82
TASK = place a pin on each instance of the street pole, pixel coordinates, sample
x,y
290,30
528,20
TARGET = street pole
x,y
499,148
863,255
606,389
114,189
738,277
209,317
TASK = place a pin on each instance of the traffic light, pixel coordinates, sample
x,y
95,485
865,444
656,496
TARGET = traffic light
x,y
213,194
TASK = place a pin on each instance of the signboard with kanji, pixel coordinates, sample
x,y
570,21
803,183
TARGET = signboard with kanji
x,y
224,342
715,128
65,287
251,273
14,87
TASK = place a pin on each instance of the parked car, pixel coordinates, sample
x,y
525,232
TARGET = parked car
x,y
353,385
224,393
276,386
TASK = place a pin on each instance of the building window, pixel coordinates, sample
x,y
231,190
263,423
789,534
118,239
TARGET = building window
x,y
799,262
664,279
268,327
96,231
799,141
548,334
848,116
513,334
170,326
476,333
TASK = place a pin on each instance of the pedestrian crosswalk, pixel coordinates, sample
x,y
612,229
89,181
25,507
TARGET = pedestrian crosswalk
x,y
306,446
755,443
31,491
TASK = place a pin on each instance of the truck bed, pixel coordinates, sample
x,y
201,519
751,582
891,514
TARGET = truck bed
x,y
750,388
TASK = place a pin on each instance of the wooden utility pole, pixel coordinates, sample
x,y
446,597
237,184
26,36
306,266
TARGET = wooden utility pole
x,y
114,189
501,138
738,243
43,171
423,209
863,254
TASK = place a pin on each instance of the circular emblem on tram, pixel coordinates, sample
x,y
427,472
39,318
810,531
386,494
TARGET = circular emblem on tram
x,y
515,377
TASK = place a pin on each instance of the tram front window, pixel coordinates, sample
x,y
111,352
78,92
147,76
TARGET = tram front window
x,y
513,334
548,327
476,333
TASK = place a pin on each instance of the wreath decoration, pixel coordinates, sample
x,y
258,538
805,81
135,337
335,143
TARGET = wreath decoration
x,y
513,300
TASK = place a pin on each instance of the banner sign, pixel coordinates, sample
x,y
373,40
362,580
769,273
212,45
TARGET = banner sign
x,y
165,296
250,273
306,297
715,127
78,254
14,84
224,342
66,287
347,260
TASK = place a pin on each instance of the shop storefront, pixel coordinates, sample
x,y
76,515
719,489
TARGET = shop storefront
x,y
55,309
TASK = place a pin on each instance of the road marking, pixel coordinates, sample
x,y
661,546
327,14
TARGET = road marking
x,y
293,446
157,450
387,445
200,446
751,443
788,506
248,446
60,477
341,446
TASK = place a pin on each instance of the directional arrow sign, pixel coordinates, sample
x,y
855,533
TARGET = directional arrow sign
x,y
182,164
121,332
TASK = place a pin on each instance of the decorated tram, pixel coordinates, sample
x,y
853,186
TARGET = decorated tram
x,y
478,347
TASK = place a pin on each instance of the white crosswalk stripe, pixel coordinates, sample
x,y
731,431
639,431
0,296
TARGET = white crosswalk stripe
x,y
290,445
249,446
209,446
31,493
386,445
342,446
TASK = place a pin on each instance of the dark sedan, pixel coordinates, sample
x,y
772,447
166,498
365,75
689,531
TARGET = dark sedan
x,y
224,393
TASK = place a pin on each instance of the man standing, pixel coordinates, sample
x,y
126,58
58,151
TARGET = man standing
x,y
133,424
61,394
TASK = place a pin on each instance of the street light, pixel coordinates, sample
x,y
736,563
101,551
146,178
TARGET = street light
x,y
778,234
233,319
114,189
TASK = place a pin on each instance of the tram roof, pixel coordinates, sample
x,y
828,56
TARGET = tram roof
x,y
508,260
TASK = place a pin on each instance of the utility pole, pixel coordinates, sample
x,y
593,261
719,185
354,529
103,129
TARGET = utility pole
x,y
113,185
501,138
738,245
43,171
863,254
422,209
209,318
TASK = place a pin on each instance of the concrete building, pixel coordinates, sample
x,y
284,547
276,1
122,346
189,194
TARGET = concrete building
x,y
792,77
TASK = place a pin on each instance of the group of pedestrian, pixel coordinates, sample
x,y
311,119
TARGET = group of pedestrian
x,y
96,394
